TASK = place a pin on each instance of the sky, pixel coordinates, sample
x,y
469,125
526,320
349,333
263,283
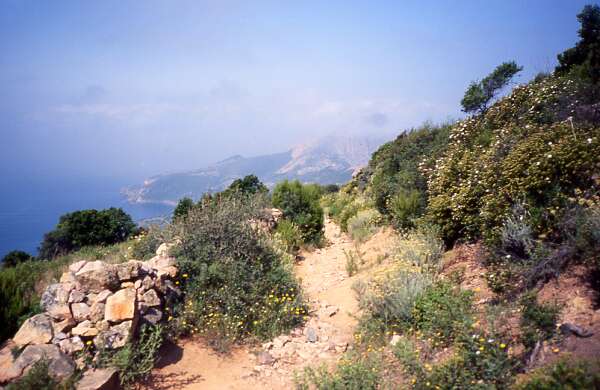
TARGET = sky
x,y
129,89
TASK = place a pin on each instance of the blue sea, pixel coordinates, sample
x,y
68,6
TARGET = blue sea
x,y
31,207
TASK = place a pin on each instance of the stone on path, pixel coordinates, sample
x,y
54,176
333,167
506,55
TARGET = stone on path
x,y
99,379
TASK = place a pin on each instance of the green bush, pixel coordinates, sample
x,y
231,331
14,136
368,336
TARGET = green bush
x,y
38,378
13,258
135,360
289,234
363,224
479,361
235,284
350,374
85,228
183,207
538,321
300,204
562,375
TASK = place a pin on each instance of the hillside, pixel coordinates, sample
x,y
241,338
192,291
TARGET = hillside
x,y
330,160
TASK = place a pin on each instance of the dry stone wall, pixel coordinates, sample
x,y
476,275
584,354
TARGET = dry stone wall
x,y
95,305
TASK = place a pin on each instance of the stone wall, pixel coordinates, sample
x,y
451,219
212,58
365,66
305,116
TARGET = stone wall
x,y
95,305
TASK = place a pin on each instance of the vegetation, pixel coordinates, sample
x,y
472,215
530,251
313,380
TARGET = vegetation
x,y
236,285
135,360
538,321
15,257
38,378
300,205
183,207
480,93
350,374
249,185
85,228
584,58
562,375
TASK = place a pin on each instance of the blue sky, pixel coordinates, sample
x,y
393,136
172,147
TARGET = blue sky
x,y
134,88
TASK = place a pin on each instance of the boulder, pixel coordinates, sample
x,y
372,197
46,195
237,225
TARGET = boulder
x,y
102,296
55,300
97,312
67,277
81,311
60,366
163,250
76,296
129,270
99,379
35,330
58,337
75,267
121,306
115,337
96,276
151,298
64,326
85,329
72,345
59,311
6,361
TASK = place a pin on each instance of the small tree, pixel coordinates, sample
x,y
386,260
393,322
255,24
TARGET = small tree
x,y
13,258
586,54
480,93
249,185
183,207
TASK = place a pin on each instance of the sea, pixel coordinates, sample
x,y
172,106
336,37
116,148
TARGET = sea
x,y
30,207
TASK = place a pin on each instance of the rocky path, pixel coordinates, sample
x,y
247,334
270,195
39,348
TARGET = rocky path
x,y
322,340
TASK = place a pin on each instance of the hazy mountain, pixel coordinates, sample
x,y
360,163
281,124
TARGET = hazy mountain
x,y
332,159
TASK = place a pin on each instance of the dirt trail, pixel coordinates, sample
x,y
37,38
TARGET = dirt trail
x,y
322,340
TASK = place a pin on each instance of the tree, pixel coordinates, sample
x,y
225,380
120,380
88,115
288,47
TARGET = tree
x,y
86,227
585,56
13,258
300,204
480,93
183,207
249,185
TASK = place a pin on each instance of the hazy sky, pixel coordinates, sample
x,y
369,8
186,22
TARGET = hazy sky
x,y
134,88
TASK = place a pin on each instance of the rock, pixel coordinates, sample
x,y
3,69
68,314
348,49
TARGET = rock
x,y
102,325
115,337
102,296
163,250
35,330
67,277
127,285
58,337
147,283
152,316
311,335
85,329
76,267
59,311
330,311
81,311
568,328
64,326
121,306
151,299
60,366
97,312
97,276
72,345
6,361
137,284
76,296
395,340
265,358
99,379
55,295
129,270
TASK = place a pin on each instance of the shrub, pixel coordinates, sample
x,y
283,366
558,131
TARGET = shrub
x,y
562,375
136,359
289,234
183,207
84,228
405,207
13,258
145,244
443,312
236,285
38,378
350,374
538,321
300,204
249,185
352,260
363,224
479,361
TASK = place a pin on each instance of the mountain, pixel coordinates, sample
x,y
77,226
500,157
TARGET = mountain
x,y
332,159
